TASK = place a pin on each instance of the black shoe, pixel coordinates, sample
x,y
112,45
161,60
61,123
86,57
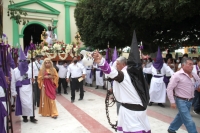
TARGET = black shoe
x,y
65,93
161,105
171,131
72,101
196,112
97,87
34,120
25,120
80,99
150,104
77,90
104,87
90,85
83,91
54,117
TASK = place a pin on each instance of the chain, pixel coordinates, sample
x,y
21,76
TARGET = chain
x,y
110,104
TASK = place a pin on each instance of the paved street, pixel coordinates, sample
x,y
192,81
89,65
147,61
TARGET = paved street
x,y
88,116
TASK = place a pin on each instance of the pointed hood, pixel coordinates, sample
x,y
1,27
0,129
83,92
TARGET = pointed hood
x,y
21,54
11,61
3,83
107,55
115,55
23,63
135,71
134,55
158,64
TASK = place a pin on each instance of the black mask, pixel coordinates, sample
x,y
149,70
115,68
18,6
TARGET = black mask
x,y
75,61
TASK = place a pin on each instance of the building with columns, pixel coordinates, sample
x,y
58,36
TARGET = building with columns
x,y
41,13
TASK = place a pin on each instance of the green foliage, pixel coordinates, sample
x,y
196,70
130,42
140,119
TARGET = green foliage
x,y
167,23
16,14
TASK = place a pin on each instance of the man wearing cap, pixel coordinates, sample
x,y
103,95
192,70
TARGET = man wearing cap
x,y
157,86
21,88
130,89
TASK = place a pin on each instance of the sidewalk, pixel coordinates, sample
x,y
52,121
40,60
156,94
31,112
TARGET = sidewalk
x,y
88,116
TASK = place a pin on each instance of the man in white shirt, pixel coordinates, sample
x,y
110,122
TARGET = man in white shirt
x,y
36,68
77,72
62,77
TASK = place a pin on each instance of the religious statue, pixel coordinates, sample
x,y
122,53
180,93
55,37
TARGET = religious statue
x,y
45,38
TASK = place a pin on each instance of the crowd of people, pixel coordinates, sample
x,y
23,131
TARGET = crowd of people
x,y
135,84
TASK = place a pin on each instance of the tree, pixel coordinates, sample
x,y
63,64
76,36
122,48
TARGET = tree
x,y
169,24
13,13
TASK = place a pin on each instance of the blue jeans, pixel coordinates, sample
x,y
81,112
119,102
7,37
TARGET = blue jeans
x,y
183,117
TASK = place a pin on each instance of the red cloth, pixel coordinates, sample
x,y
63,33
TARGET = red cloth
x,y
50,88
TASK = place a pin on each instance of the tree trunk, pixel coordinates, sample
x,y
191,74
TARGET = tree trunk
x,y
1,18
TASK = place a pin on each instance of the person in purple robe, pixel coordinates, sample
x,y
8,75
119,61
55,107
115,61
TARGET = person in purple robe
x,y
3,87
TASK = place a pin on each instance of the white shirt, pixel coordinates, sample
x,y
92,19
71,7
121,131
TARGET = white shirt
x,y
62,71
76,70
148,65
36,68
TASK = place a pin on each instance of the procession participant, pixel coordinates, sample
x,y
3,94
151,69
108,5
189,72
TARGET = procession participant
x,y
196,100
3,109
148,65
157,86
99,77
21,88
11,64
62,72
81,62
48,82
130,89
36,68
77,72
168,75
180,92
89,74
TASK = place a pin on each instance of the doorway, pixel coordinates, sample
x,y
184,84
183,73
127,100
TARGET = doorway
x,y
34,30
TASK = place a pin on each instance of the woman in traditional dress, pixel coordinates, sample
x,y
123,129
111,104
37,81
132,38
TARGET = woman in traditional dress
x,y
48,82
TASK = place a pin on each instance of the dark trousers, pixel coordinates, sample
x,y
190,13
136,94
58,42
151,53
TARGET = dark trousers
x,y
196,101
36,93
63,82
75,84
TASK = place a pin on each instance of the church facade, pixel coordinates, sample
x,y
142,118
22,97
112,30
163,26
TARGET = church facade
x,y
41,13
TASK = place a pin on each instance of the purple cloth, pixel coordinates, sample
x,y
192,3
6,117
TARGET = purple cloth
x,y
3,114
121,129
26,50
32,46
101,72
107,55
23,64
18,101
11,61
158,64
23,67
105,68
3,99
3,83
114,57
